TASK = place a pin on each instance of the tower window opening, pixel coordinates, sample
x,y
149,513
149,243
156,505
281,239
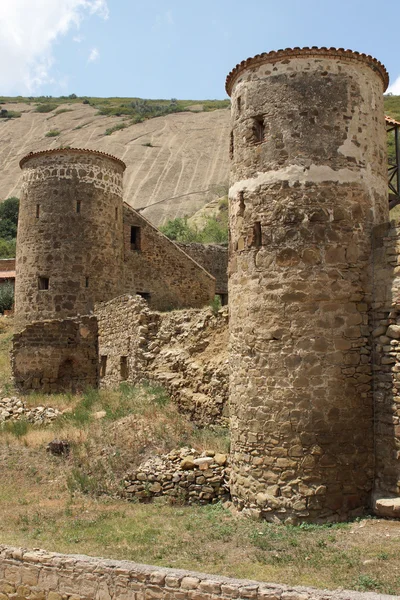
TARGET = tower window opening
x,y
103,366
239,104
78,206
135,238
123,366
145,295
116,212
258,130
37,211
257,235
43,283
231,145
86,282
242,204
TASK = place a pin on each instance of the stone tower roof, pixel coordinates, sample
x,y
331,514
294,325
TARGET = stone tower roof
x,y
278,55
71,151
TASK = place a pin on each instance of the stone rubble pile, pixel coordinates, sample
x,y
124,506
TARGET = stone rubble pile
x,y
14,409
184,475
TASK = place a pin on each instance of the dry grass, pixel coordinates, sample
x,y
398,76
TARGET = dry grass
x,y
71,504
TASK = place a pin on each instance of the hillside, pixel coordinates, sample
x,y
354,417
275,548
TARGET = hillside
x,y
176,163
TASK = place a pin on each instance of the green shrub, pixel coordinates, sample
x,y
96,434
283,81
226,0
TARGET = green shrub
x,y
117,127
45,108
215,230
6,296
7,247
9,210
215,305
53,133
18,428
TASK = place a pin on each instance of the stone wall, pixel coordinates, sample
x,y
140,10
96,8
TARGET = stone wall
x,y
308,184
56,356
183,350
385,342
214,259
40,575
157,268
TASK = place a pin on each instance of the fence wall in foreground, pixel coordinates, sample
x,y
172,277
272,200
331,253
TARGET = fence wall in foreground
x,y
39,575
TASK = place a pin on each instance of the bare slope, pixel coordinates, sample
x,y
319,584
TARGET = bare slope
x,y
175,163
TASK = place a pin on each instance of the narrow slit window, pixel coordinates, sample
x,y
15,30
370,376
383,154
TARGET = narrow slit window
x,y
37,211
257,235
135,238
43,283
242,204
116,212
86,282
145,295
258,130
78,206
239,104
124,368
231,145
103,366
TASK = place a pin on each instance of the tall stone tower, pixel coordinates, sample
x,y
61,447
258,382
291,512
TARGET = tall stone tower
x,y
70,234
308,183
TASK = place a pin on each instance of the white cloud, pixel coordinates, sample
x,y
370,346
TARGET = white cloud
x,y
78,39
28,31
94,55
394,88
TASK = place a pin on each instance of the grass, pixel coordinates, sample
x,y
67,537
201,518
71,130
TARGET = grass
x,y
116,127
53,133
72,503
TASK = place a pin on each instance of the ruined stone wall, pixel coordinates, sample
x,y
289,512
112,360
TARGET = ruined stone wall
x,y
69,247
214,259
159,269
183,350
308,183
385,318
56,356
32,574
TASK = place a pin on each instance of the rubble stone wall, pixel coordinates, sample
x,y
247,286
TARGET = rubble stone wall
x,y
60,274
308,184
37,574
56,356
386,359
183,350
159,269
183,475
214,259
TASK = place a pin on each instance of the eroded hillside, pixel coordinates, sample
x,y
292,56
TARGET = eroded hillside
x,y
175,164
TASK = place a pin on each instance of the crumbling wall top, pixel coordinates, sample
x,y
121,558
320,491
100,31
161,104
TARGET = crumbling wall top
x,y
279,55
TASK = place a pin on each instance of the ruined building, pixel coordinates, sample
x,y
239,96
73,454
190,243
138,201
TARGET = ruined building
x,y
313,286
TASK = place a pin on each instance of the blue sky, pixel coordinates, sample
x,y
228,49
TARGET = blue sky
x,y
174,48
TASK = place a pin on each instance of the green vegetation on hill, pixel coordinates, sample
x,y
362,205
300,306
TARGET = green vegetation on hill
x,y
8,226
392,109
213,231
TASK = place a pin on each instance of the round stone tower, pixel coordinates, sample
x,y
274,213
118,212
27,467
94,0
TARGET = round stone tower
x,y
70,234
308,183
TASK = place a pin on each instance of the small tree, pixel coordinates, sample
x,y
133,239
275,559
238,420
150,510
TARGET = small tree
x,y
6,296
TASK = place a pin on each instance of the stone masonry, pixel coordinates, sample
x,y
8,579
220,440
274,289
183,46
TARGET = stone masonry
x,y
40,575
308,184
183,350
56,356
70,244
